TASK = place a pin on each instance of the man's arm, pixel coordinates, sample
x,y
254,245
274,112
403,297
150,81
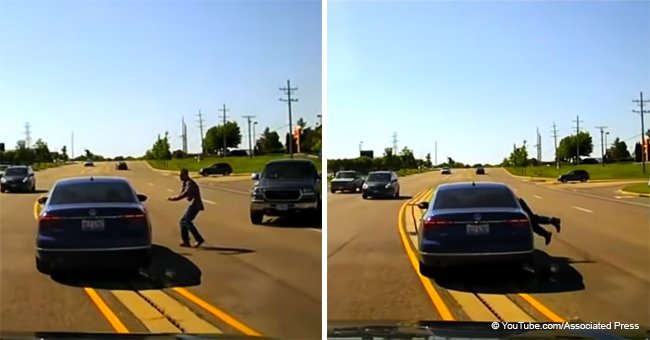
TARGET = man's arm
x,y
182,195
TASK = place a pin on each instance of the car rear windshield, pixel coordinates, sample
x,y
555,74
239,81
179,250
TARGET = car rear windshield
x,y
289,170
114,192
473,197
16,172
378,178
347,174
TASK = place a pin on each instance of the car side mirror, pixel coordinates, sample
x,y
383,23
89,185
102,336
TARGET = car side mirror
x,y
42,200
255,176
142,197
423,205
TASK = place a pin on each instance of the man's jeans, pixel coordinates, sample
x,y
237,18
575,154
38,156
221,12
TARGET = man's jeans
x,y
188,226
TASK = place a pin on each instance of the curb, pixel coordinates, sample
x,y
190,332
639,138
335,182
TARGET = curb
x,y
631,193
192,176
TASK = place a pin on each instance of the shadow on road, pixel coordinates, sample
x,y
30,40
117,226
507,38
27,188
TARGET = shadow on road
x,y
554,275
294,222
226,250
35,192
168,269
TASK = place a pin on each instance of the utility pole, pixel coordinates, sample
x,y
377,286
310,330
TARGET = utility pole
x,y
320,119
288,91
641,112
250,145
602,144
28,136
184,135
225,117
394,143
201,131
577,121
436,154
538,146
72,146
557,160
254,138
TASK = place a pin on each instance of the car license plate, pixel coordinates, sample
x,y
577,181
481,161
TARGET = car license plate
x,y
282,207
92,225
478,229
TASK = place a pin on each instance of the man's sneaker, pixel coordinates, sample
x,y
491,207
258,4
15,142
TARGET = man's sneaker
x,y
547,237
199,243
556,223
184,244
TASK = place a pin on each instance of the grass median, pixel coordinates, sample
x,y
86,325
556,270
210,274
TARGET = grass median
x,y
596,171
240,165
642,188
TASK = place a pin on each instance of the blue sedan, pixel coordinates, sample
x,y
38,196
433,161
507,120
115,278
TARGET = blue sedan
x,y
471,223
93,222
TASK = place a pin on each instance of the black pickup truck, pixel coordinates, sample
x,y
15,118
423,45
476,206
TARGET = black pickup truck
x,y
286,187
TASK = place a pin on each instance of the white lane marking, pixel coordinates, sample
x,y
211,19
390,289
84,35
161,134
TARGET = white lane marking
x,y
537,196
150,183
209,202
583,209
170,190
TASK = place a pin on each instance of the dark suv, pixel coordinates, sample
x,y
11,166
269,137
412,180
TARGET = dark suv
x,y
381,184
18,178
574,175
216,169
286,187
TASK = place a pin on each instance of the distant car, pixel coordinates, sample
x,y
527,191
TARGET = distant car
x,y
286,187
381,184
216,169
573,176
18,178
93,222
89,163
480,170
445,171
346,180
121,165
472,223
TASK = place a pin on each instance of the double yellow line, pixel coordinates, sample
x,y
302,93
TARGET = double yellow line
x,y
119,326
436,299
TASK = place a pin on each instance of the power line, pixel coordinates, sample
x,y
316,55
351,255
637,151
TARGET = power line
x,y
250,145
201,131
224,117
641,112
602,145
289,91
577,121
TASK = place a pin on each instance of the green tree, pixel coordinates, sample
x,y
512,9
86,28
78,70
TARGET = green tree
x,y
213,141
567,148
23,154
41,152
408,159
619,151
269,142
160,149
518,156
427,161
64,153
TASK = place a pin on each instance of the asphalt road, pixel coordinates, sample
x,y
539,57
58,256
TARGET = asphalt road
x,y
598,267
245,279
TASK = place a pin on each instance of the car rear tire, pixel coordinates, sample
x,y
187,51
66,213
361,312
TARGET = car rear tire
x,y
256,217
583,180
333,191
397,194
43,267
364,196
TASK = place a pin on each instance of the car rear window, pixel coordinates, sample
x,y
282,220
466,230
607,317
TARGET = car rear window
x,y
289,170
474,197
115,192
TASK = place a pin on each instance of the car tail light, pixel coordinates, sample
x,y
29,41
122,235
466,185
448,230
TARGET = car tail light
x,y
139,217
518,222
47,219
433,223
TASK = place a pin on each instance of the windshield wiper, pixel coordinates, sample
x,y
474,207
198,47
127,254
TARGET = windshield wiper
x,y
380,331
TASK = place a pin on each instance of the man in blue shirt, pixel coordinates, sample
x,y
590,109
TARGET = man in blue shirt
x,y
191,192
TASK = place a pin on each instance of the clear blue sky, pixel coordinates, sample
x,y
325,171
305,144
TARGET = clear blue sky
x,y
120,72
480,76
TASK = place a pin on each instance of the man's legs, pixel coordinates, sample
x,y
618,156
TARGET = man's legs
x,y
188,225
549,220
537,228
